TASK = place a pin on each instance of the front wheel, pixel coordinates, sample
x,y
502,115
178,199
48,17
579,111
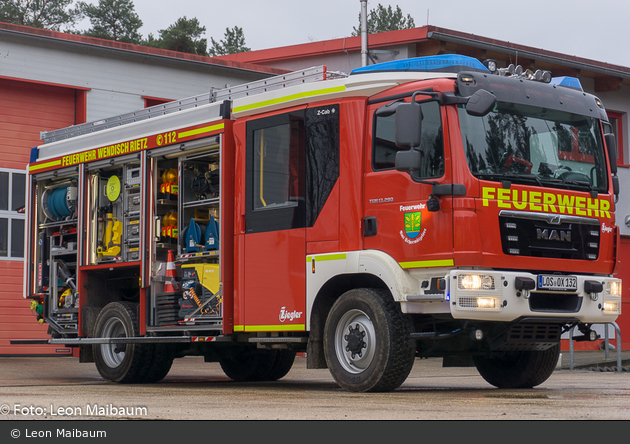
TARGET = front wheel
x,y
367,343
524,369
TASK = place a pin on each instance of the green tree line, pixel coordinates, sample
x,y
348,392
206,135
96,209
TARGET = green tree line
x,y
117,20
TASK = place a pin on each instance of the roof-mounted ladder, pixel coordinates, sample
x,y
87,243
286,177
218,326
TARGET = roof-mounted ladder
x,y
215,95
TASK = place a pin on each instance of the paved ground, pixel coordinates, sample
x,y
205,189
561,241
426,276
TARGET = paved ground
x,y
596,360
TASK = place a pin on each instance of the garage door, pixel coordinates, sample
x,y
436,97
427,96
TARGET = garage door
x,y
26,109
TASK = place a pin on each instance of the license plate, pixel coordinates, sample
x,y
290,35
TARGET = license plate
x,y
563,283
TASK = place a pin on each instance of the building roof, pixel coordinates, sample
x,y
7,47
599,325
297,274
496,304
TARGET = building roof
x,y
432,40
73,39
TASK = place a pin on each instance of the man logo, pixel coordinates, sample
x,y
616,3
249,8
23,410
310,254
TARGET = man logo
x,y
554,235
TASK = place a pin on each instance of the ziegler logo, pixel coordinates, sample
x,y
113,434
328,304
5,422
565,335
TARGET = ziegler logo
x,y
554,235
289,315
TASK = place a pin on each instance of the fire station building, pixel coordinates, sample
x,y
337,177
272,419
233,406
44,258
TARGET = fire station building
x,y
50,80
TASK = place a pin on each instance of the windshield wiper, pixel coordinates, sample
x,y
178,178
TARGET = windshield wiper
x,y
582,183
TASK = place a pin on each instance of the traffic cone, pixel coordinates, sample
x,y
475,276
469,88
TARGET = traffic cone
x,y
171,285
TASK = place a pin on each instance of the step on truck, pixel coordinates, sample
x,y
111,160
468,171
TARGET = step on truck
x,y
428,207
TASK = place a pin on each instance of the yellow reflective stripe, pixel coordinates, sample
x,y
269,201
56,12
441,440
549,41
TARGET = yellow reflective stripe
x,y
425,264
44,165
205,129
288,98
327,257
282,327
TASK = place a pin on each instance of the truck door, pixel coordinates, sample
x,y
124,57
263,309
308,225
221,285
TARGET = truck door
x,y
274,242
397,204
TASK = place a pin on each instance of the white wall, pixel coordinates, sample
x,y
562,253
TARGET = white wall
x,y
116,79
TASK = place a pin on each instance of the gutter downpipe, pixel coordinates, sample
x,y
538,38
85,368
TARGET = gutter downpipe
x,y
364,33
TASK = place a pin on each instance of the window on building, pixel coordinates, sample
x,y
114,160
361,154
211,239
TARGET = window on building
x,y
615,120
12,194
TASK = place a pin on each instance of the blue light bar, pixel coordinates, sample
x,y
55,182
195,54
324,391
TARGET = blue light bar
x,y
569,82
451,63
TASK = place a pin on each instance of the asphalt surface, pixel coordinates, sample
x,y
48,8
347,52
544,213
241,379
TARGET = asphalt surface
x,y
595,360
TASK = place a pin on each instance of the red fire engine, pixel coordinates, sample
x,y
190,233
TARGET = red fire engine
x,y
429,207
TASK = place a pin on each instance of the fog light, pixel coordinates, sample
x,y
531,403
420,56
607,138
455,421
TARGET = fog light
x,y
477,334
486,302
592,336
612,307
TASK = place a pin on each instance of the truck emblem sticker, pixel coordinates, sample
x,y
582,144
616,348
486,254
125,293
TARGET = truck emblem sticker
x,y
289,315
413,228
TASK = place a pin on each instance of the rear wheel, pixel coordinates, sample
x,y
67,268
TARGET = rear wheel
x,y
524,369
118,362
247,364
162,359
367,342
282,364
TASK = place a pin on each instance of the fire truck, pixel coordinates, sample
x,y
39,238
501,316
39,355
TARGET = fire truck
x,y
427,207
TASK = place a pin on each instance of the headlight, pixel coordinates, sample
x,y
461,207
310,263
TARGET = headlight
x,y
475,282
613,288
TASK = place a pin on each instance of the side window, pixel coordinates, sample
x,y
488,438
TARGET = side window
x,y
275,173
278,165
384,148
292,167
12,194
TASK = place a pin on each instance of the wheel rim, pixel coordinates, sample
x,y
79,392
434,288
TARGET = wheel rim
x,y
113,354
355,341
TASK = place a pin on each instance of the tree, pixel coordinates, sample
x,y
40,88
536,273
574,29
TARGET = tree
x,y
113,20
45,14
183,36
384,19
234,42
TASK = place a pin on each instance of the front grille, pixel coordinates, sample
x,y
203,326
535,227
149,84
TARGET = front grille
x,y
549,235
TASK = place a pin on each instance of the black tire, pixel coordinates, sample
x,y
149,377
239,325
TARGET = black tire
x,y
247,364
123,363
367,344
524,369
162,358
281,365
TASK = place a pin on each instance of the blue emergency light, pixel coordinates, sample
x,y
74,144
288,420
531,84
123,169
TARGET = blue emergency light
x,y
569,82
452,63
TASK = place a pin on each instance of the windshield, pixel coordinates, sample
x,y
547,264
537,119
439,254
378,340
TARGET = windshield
x,y
539,146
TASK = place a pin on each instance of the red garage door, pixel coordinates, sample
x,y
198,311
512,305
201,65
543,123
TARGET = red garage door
x,y
624,273
26,109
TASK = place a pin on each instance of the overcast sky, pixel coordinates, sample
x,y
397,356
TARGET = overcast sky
x,y
593,30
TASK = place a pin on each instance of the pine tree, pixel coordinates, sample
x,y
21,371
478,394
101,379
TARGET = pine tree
x,y
234,42
384,19
56,15
183,36
113,20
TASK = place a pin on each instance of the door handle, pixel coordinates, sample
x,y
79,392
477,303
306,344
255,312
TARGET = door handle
x,y
370,226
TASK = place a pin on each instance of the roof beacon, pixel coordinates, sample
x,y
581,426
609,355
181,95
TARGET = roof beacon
x,y
451,63
569,82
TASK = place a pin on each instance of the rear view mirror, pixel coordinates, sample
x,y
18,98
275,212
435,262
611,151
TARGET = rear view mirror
x,y
408,161
480,103
611,145
409,123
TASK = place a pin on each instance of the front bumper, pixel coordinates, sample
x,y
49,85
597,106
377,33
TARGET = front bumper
x,y
504,296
